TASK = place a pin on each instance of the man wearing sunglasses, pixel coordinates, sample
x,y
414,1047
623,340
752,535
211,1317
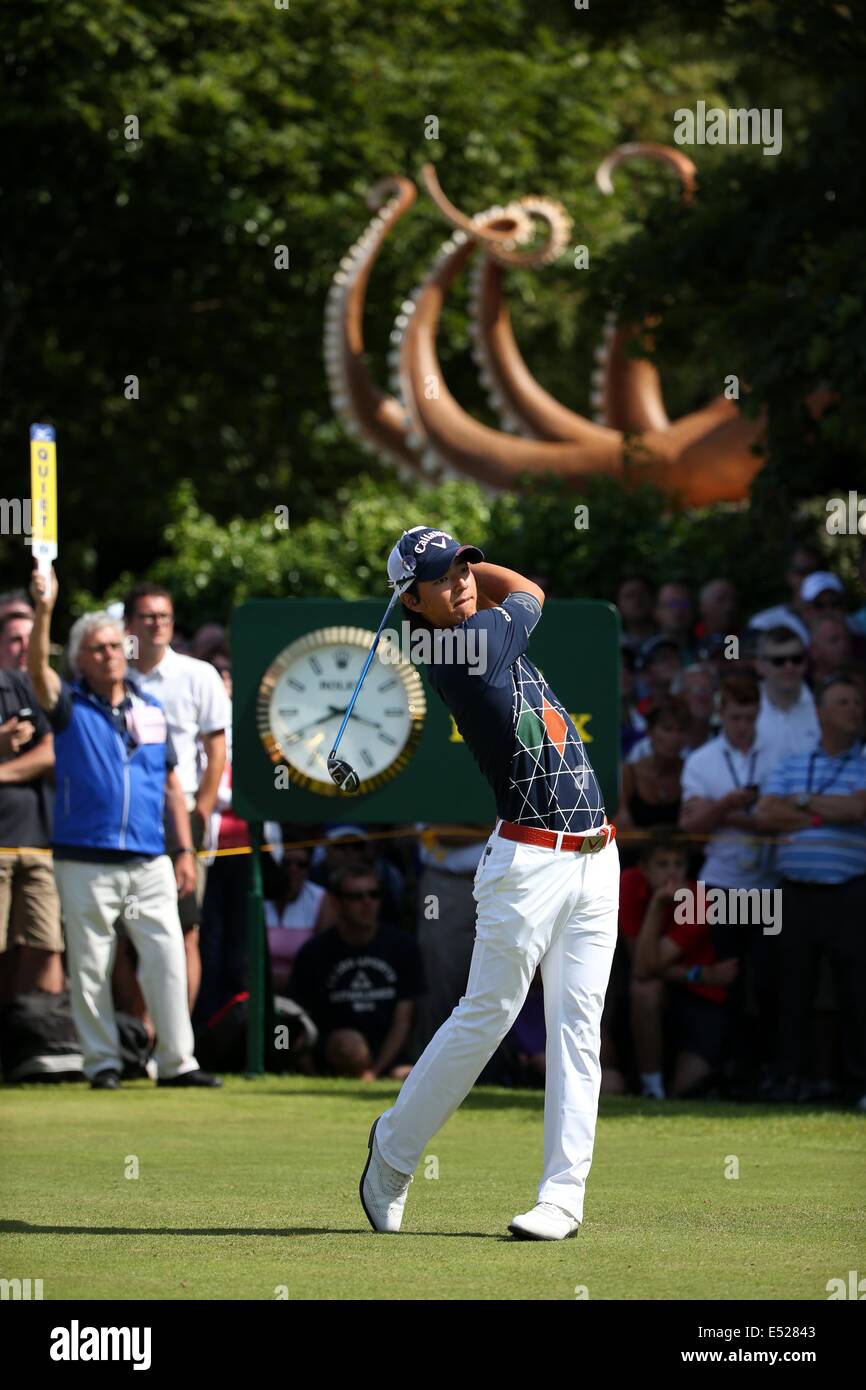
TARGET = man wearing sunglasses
x,y
787,721
358,981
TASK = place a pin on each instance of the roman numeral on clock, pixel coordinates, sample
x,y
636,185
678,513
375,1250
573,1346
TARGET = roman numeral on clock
x,y
367,757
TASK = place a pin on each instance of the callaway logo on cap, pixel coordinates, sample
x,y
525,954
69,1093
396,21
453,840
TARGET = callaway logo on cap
x,y
426,553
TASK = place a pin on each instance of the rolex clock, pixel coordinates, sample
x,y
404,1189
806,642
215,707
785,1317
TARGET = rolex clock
x,y
305,692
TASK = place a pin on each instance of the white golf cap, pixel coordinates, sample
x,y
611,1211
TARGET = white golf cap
x,y
818,583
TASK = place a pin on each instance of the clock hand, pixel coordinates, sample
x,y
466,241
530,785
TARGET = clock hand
x,y
359,718
293,737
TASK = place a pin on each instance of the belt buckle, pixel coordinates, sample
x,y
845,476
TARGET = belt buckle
x,y
559,838
595,841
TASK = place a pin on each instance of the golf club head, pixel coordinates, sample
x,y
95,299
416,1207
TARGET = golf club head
x,y
343,775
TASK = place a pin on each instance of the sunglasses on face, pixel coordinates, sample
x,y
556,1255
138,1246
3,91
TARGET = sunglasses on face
x,y
833,601
300,864
362,893
795,659
156,617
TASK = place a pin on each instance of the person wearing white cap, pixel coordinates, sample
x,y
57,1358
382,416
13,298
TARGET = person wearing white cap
x,y
805,559
820,593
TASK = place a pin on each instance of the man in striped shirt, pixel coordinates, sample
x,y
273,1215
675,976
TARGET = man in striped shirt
x,y
815,800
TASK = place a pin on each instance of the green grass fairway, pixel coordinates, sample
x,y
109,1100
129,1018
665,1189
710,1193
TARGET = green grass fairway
x,y
251,1189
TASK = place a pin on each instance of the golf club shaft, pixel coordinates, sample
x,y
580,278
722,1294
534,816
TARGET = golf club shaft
x,y
370,655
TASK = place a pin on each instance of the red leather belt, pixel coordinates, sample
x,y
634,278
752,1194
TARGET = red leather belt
x,y
554,839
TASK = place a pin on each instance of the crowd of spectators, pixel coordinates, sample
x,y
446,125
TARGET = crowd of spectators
x,y
741,965
743,793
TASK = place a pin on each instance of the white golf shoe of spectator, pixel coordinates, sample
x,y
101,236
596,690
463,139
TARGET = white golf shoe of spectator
x,y
383,1189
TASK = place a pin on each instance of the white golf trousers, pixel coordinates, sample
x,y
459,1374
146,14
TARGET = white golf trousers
x,y
143,893
535,907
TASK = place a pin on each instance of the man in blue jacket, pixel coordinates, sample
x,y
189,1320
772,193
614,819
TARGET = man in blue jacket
x,y
115,769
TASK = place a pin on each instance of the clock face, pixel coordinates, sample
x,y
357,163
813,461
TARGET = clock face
x,y
305,693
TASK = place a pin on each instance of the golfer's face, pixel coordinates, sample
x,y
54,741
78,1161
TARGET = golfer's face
x,y
451,599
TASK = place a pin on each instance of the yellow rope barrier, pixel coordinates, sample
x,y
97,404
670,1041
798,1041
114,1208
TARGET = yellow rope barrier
x,y
480,833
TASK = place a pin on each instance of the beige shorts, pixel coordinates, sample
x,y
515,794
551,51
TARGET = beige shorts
x,y
190,905
29,905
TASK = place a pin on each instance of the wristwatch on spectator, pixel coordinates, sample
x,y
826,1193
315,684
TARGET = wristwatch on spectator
x,y
801,800
184,849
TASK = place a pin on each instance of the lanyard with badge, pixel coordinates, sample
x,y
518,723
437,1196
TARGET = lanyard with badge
x,y
750,779
840,768
752,852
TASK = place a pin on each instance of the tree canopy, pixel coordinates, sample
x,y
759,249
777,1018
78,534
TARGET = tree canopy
x,y
147,250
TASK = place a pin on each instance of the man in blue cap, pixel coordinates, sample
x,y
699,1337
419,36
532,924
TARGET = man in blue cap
x,y
547,886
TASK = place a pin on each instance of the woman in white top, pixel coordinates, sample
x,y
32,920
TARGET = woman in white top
x,y
294,910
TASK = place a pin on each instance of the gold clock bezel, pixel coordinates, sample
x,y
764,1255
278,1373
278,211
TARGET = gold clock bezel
x,y
329,637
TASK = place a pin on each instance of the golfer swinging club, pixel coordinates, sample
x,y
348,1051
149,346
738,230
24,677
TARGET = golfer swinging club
x,y
547,887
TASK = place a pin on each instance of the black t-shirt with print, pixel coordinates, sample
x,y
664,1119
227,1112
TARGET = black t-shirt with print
x,y
343,986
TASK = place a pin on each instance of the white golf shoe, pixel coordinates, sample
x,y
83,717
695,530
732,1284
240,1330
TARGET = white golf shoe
x,y
544,1222
383,1189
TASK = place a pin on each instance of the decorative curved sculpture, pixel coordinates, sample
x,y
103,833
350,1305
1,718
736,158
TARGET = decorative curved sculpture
x,y
704,457
377,420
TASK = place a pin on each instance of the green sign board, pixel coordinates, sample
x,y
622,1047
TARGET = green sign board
x,y
295,663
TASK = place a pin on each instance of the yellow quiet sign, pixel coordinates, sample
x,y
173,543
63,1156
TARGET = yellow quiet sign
x,y
43,492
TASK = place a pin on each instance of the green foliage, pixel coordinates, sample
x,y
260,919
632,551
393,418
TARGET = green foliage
x,y
344,550
261,127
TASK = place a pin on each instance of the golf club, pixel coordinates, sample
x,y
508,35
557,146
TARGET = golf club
x,y
342,774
